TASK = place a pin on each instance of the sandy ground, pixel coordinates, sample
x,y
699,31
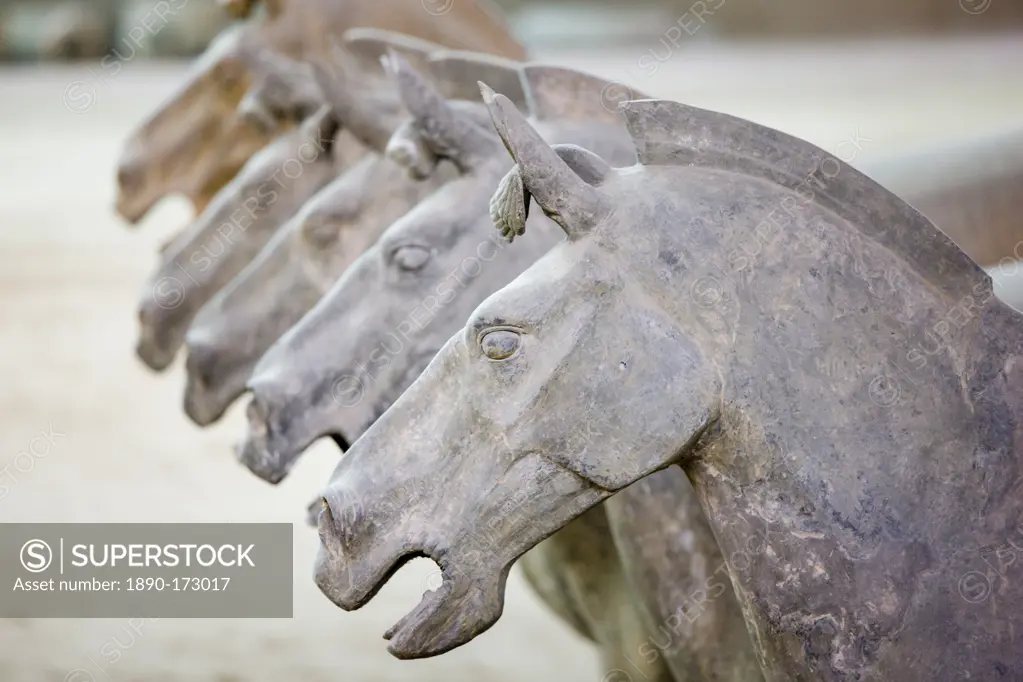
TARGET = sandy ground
x,y
71,273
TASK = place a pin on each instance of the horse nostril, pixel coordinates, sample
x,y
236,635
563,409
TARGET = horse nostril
x,y
326,528
202,363
339,515
129,176
257,416
325,508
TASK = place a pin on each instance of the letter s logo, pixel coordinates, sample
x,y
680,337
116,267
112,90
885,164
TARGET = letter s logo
x,y
36,556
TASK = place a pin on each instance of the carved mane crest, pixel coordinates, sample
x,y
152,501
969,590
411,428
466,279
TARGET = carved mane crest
x,y
668,133
456,73
238,9
561,93
368,45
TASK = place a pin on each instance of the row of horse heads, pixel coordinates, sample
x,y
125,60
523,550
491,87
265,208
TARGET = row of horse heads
x,y
738,410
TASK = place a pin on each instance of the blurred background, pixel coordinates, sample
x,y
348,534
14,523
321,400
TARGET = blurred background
x,y
74,29
865,80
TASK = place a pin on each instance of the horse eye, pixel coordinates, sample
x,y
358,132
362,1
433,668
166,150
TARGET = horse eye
x,y
411,258
500,344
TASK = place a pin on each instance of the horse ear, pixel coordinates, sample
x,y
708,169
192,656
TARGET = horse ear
x,y
323,128
564,196
367,113
282,88
254,109
407,149
449,132
509,207
167,243
587,165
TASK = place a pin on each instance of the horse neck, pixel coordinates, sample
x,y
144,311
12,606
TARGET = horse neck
x,y
875,481
870,413
857,399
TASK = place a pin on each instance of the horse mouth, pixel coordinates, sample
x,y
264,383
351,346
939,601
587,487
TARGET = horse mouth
x,y
468,601
410,637
213,381
260,452
466,604
258,457
152,354
346,581
133,210
268,453
200,405
433,627
342,443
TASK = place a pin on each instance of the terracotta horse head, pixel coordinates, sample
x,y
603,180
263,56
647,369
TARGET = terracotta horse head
x,y
313,248
394,307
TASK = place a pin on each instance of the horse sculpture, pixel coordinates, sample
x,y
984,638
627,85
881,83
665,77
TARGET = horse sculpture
x,y
410,260
848,395
271,186
305,258
424,274
196,141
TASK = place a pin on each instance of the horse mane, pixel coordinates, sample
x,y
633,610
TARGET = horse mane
x,y
238,9
668,133
495,13
561,93
368,45
457,72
